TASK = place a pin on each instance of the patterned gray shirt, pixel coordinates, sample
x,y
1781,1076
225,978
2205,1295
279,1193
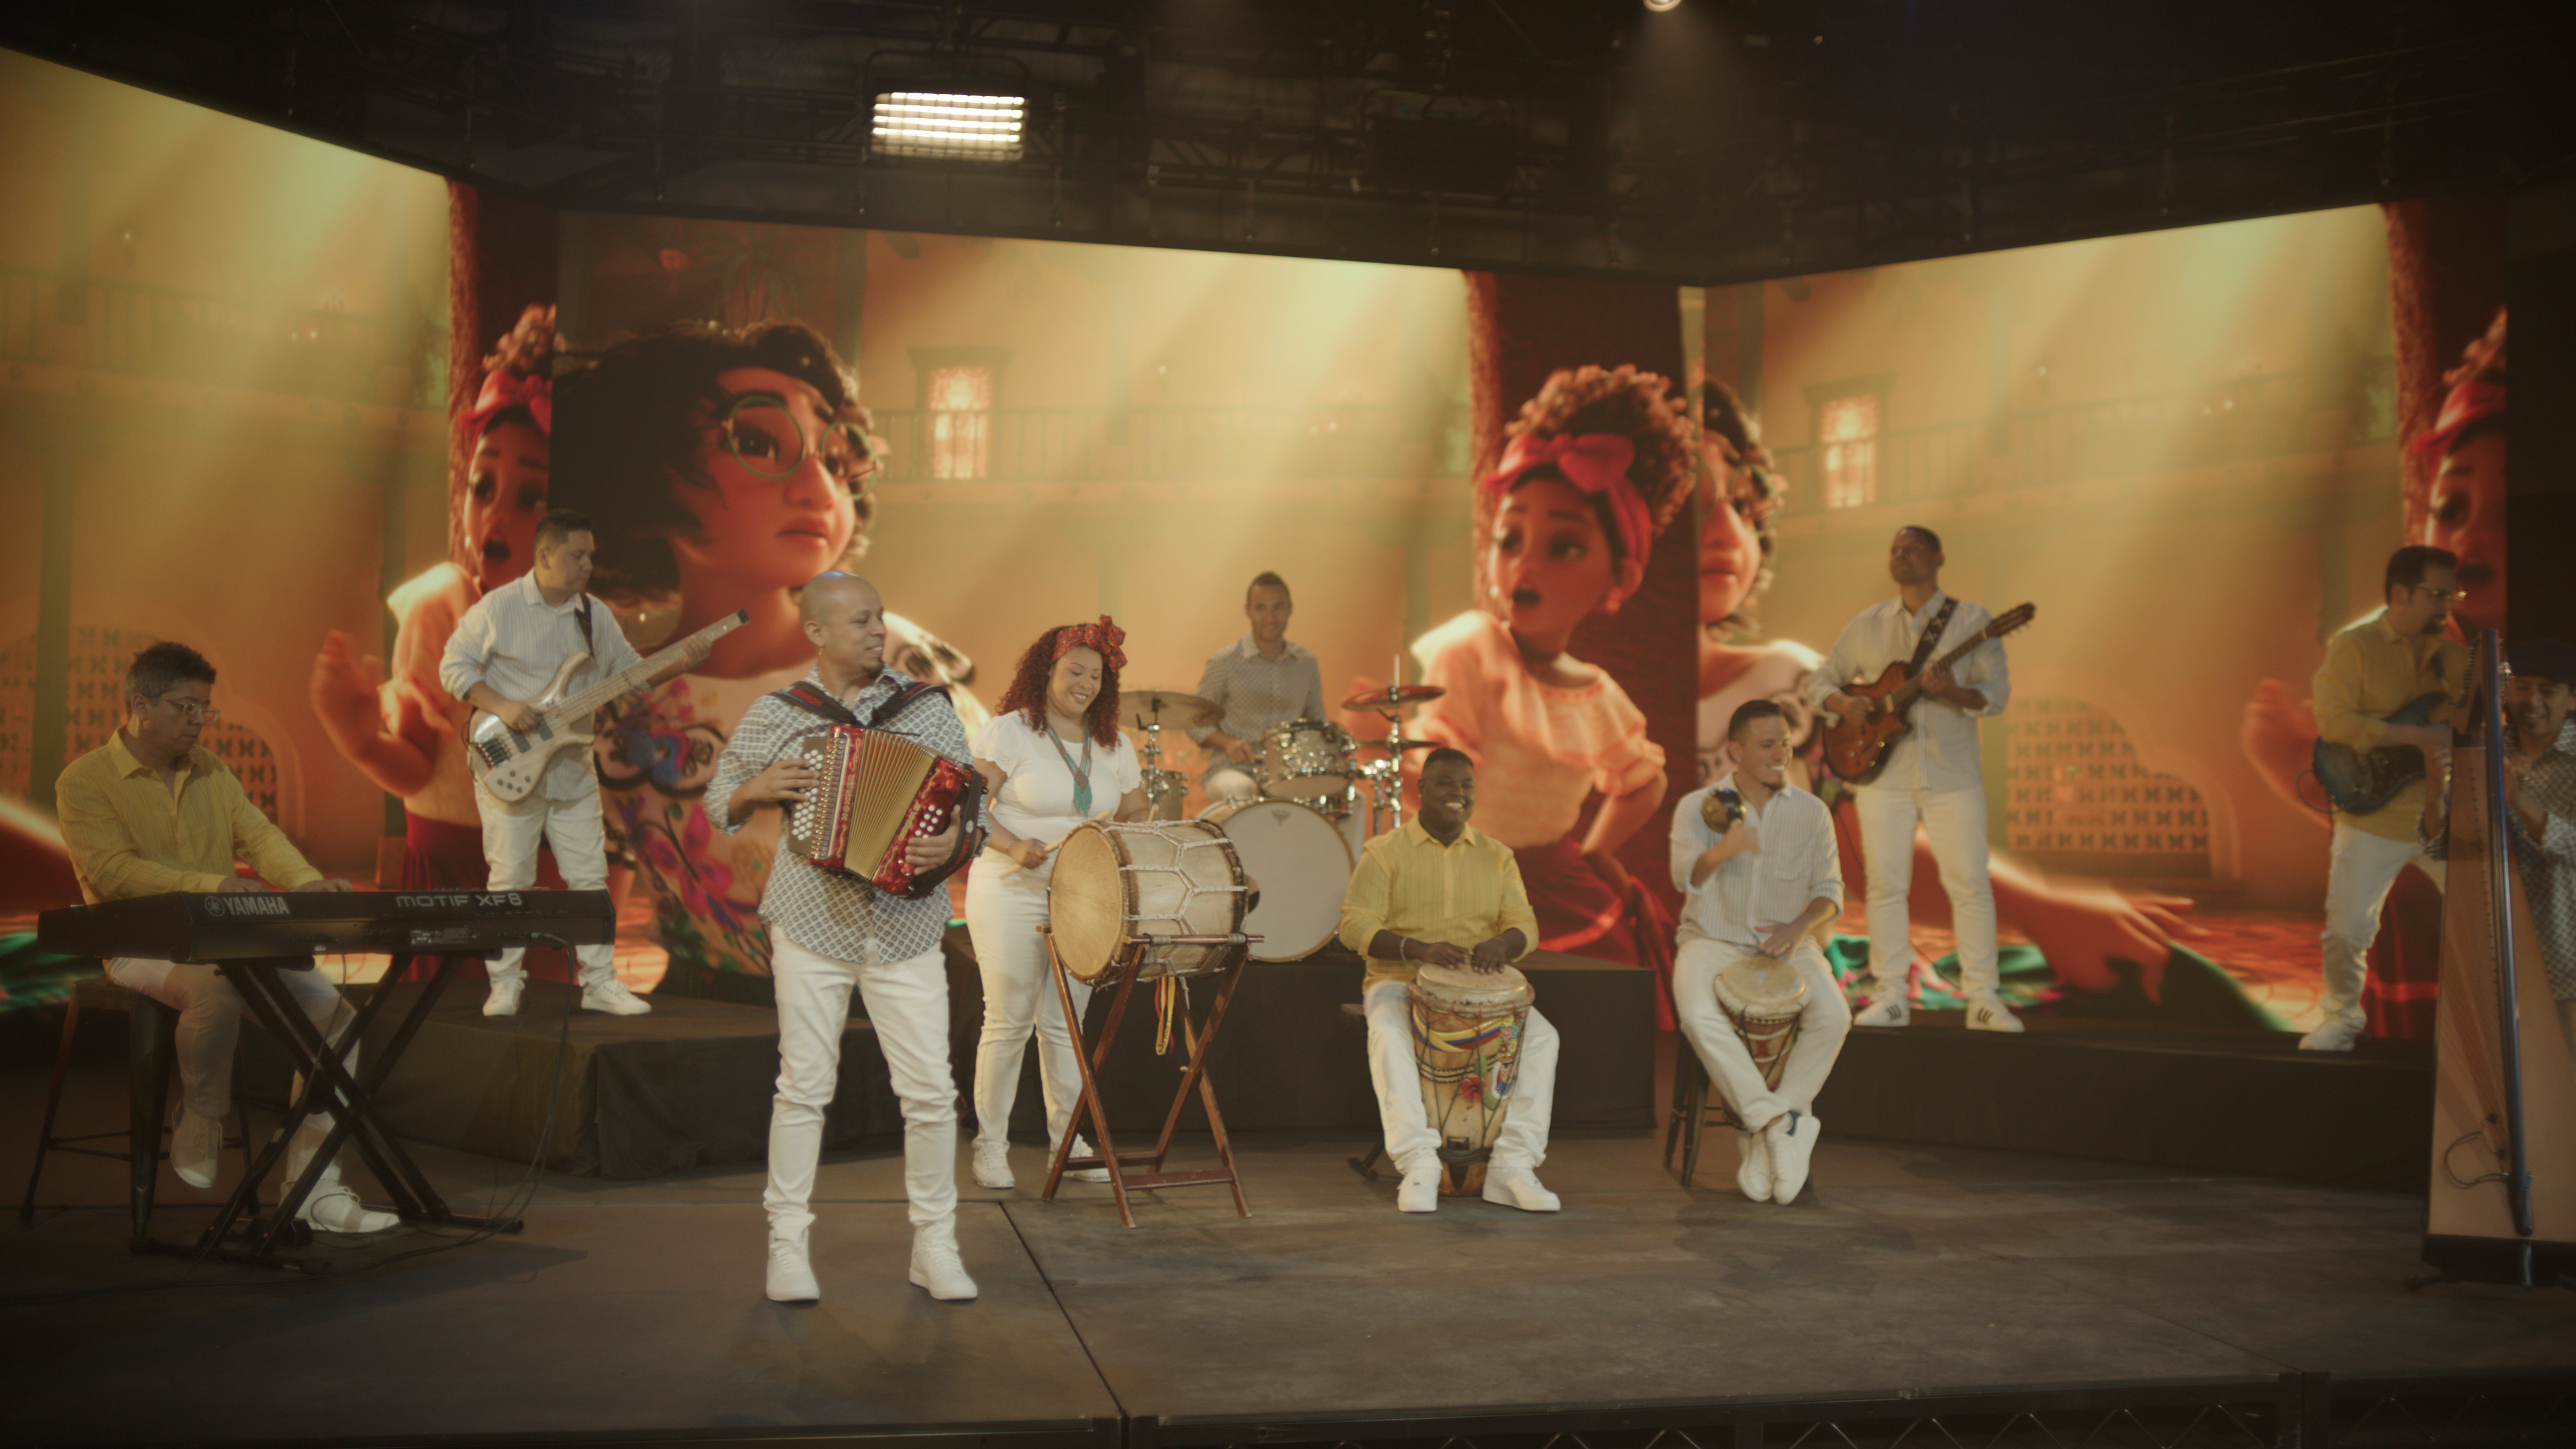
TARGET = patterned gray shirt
x,y
1256,693
2547,865
835,915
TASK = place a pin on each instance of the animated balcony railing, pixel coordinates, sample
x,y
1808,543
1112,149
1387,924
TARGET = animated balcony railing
x,y
176,336
1215,444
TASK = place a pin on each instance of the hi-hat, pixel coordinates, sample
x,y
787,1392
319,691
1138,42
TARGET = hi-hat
x,y
1400,746
1394,696
1169,708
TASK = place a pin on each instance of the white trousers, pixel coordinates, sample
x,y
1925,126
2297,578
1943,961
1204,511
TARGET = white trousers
x,y
1954,821
1822,1024
1397,1075
907,1003
210,1012
2358,875
512,831
1003,913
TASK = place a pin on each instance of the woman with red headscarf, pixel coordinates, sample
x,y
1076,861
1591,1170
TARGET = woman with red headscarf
x,y
1053,758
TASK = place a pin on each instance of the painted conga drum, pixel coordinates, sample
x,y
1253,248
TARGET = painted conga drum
x,y
1763,996
1116,889
1467,1029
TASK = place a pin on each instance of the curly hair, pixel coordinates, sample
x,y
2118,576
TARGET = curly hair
x,y
1636,405
1028,691
630,420
1727,419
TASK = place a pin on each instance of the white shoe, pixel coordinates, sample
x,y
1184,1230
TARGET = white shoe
x,y
1888,1010
1420,1190
195,1143
504,1000
611,996
1082,1148
1792,1141
935,1265
993,1164
335,1209
2333,1036
1518,1187
1988,1013
1753,1175
791,1271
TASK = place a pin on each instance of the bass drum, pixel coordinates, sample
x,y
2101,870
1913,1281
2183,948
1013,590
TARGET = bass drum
x,y
1298,859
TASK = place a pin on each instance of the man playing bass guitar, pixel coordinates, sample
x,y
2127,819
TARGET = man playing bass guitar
x,y
1931,775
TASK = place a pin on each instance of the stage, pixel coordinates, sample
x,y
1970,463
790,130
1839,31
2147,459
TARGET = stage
x,y
1911,1282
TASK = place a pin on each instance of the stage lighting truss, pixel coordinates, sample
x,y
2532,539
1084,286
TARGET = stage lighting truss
x,y
949,127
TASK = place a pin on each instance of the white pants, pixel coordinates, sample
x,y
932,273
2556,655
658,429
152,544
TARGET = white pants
x,y
907,1003
1954,821
2358,875
210,1012
512,831
1003,912
1822,1025
1398,1078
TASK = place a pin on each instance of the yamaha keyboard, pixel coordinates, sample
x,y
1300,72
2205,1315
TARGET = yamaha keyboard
x,y
246,925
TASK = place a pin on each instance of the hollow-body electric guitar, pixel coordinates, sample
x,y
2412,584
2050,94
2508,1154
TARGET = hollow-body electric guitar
x,y
1857,748
509,762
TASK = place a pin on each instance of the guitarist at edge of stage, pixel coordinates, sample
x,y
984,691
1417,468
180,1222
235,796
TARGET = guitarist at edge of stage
x,y
504,654
1932,776
2371,671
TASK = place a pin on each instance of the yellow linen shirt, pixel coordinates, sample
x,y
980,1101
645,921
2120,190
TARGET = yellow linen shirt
x,y
1464,894
2370,672
130,835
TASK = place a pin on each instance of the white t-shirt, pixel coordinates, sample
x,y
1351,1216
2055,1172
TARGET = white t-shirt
x,y
1036,798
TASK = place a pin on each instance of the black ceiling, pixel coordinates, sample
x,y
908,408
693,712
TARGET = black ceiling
x,y
1724,139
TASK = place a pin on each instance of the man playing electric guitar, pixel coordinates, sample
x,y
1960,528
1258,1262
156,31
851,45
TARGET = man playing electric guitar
x,y
1931,777
504,654
2371,671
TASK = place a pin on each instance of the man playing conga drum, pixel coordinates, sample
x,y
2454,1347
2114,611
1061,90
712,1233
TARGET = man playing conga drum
x,y
1437,893
1758,890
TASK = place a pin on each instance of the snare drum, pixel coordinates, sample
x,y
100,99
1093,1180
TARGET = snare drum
x,y
1304,868
1167,792
1467,1029
1763,997
1309,760
1116,886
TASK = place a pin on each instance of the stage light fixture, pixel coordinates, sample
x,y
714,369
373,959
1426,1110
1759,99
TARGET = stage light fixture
x,y
1660,6
949,127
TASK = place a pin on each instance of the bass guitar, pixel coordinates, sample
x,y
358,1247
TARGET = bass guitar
x,y
509,762
2361,781
1857,748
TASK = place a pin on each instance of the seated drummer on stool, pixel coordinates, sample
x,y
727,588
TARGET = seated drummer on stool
x,y
150,812
1394,915
1259,680
1762,888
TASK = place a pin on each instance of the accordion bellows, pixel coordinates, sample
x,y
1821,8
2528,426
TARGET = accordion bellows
x,y
879,791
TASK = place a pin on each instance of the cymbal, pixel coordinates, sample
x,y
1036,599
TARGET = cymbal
x,y
1167,707
1394,696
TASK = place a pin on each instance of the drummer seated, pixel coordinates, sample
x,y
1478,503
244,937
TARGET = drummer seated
x,y
1760,889
1440,893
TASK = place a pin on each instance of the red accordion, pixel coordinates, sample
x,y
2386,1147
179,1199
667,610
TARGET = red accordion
x,y
880,792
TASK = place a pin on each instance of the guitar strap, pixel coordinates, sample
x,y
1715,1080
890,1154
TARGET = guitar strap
x,y
1931,636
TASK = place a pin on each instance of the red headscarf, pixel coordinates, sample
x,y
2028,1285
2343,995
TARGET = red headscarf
x,y
1595,464
1104,637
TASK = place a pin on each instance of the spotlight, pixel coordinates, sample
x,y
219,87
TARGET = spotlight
x,y
1660,6
961,128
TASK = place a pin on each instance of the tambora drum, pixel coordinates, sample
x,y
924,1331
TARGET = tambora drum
x,y
1116,887
1303,866
1309,760
1467,1029
1763,997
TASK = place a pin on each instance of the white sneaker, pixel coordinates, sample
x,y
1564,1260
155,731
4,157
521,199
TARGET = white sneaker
x,y
791,1271
1753,1174
611,996
1888,1010
2333,1036
935,1265
993,1164
1988,1013
1082,1148
195,1143
1420,1190
1792,1141
335,1209
504,1000
1518,1187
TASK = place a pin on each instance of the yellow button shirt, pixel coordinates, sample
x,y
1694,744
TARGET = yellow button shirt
x,y
1464,894
130,835
2370,673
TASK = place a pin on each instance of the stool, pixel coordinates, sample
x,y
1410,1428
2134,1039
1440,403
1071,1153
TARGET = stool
x,y
1693,1104
1366,1166
150,1025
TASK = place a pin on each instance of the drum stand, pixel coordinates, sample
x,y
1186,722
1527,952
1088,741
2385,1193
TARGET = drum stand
x,y
1196,1040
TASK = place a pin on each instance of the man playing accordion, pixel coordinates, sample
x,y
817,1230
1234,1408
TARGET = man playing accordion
x,y
1754,858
